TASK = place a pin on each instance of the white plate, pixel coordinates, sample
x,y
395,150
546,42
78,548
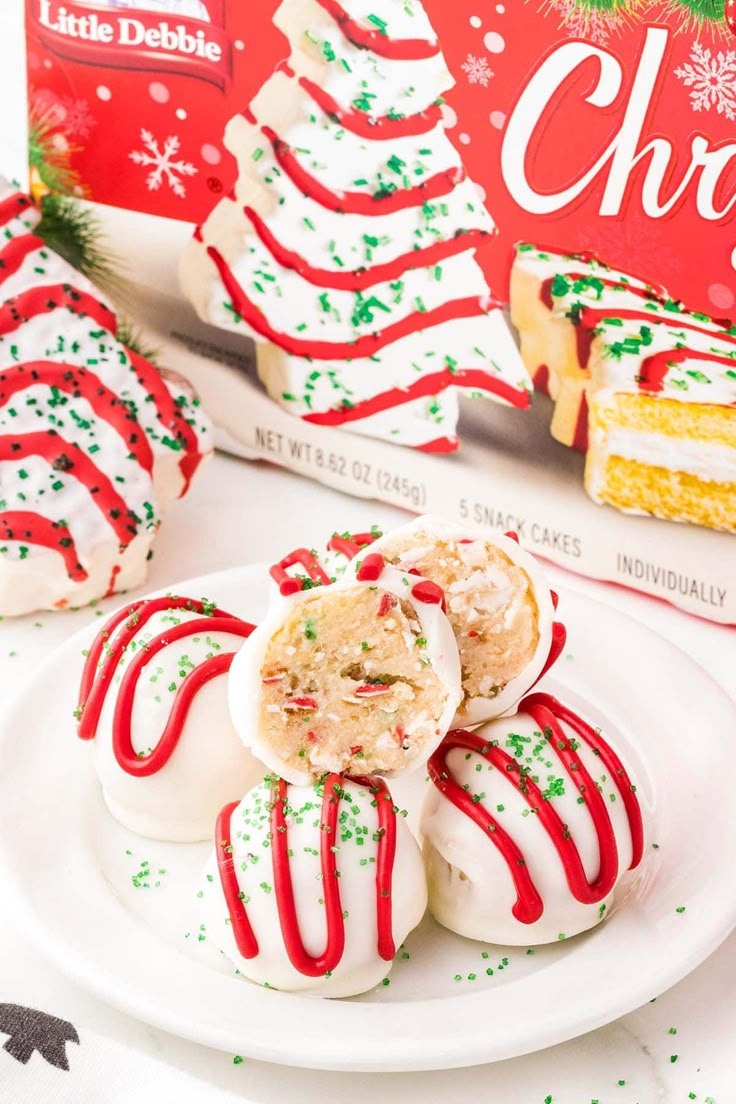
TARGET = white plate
x,y
69,868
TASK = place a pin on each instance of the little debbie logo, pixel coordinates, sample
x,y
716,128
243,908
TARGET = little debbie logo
x,y
147,38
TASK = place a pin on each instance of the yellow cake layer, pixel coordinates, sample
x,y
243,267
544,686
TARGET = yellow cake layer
x,y
715,425
678,496
568,411
545,339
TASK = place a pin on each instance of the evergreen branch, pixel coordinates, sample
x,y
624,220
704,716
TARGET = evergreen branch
x,y
76,234
131,336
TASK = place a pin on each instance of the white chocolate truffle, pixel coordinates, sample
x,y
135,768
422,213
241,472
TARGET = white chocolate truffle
x,y
529,825
359,677
154,699
265,900
498,603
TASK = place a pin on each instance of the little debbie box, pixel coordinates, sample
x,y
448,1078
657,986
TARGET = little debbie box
x,y
591,129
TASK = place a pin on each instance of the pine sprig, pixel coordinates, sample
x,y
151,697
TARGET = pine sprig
x,y
695,14
129,335
75,232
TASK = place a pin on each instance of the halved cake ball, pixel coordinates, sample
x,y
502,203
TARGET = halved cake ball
x,y
358,677
313,888
153,697
529,825
499,604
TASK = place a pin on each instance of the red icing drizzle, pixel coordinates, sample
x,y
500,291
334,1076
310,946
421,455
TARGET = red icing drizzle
x,y
649,292
12,206
330,958
352,545
361,203
27,527
547,712
442,445
15,252
371,569
363,278
290,584
69,460
172,417
81,383
580,437
423,387
122,742
394,49
384,127
112,641
654,369
42,300
365,346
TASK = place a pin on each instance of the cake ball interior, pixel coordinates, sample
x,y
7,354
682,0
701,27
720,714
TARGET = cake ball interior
x,y
348,684
490,605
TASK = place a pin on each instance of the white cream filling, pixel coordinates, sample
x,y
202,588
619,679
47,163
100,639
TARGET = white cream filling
x,y
706,461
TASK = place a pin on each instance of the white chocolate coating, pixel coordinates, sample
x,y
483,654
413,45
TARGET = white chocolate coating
x,y
482,590
361,966
470,886
209,765
246,684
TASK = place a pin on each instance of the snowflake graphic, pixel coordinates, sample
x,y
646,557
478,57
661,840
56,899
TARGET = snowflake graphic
x,y
477,69
163,166
596,26
78,118
712,78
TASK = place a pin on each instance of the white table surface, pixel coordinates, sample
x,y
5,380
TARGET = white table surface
x,y
239,513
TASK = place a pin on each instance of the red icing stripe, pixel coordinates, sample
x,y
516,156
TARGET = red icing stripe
x,y
324,963
655,368
423,387
301,960
42,300
15,253
540,705
580,437
12,206
30,528
649,292
384,127
114,638
245,939
587,257
69,460
292,584
394,49
593,317
441,446
365,346
363,278
80,383
122,736
361,203
547,712
171,416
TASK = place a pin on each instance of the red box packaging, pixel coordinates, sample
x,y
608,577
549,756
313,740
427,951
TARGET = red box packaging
x,y
591,127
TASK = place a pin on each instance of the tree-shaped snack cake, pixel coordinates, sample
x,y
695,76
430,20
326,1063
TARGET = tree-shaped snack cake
x,y
347,248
